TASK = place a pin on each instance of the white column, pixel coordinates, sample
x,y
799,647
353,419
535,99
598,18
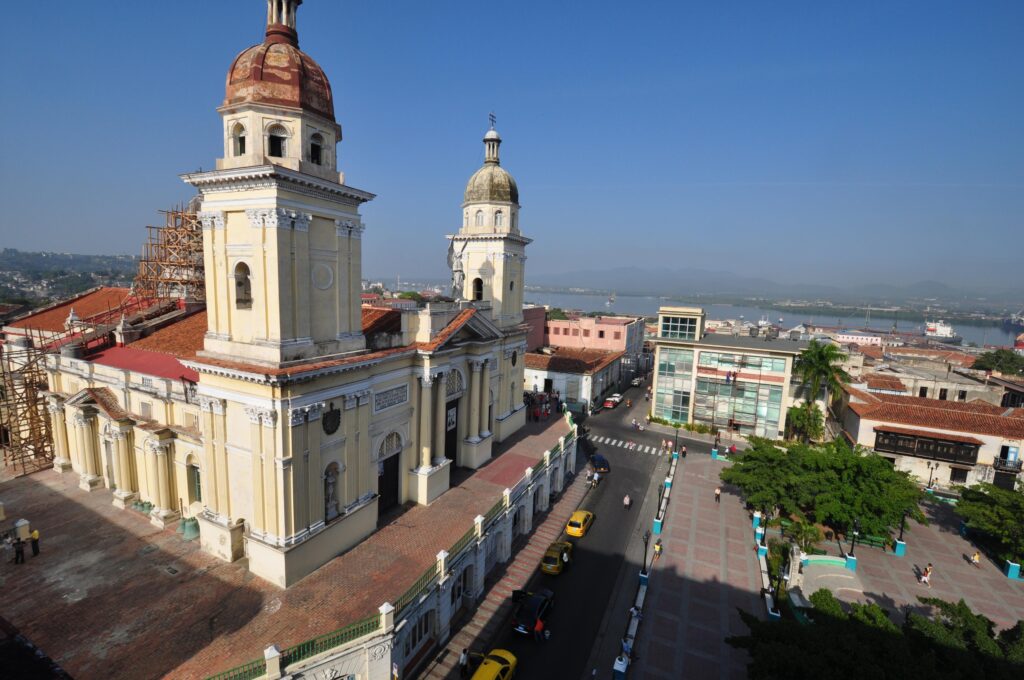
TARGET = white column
x,y
440,408
474,401
426,400
485,400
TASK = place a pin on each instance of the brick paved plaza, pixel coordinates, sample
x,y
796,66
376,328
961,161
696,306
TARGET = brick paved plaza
x,y
111,596
709,569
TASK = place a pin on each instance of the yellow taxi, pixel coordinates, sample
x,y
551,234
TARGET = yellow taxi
x,y
553,561
579,523
500,664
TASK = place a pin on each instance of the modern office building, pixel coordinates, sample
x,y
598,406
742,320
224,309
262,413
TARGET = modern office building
x,y
728,382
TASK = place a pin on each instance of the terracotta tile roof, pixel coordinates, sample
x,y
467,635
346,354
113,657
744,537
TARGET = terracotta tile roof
x,y
107,402
571,360
929,434
157,364
976,416
949,356
872,351
308,367
182,339
381,320
89,304
877,381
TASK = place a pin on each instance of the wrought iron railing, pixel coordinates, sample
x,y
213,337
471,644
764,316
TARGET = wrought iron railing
x,y
247,671
323,643
416,589
1006,465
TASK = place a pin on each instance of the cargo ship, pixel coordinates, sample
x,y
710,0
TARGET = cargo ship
x,y
940,331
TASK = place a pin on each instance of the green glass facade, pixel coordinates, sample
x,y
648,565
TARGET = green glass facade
x,y
745,407
678,328
672,392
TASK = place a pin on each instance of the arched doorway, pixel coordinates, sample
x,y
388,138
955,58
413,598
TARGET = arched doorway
x,y
388,459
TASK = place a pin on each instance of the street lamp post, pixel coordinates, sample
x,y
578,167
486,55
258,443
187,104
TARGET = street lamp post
x,y
903,523
764,529
675,439
856,532
931,472
647,539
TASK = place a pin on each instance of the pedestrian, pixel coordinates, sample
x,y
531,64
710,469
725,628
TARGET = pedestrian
x,y
636,613
590,477
926,576
597,479
34,536
626,502
976,559
684,451
627,648
657,549
538,630
19,551
718,494
464,663
565,558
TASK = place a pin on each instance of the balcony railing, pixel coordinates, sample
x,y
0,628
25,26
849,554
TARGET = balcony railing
x,y
1005,465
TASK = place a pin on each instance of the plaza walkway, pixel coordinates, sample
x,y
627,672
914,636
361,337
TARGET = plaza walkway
x,y
708,570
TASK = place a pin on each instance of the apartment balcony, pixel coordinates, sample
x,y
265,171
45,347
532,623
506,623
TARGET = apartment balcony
x,y
1005,465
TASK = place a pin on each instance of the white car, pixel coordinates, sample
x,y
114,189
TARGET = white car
x,y
637,382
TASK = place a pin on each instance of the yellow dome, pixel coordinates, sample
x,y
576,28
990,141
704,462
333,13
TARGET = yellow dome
x,y
492,183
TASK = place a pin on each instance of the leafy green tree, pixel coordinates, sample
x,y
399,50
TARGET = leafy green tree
x,y
411,295
806,422
1002,360
557,314
819,366
952,642
805,534
999,514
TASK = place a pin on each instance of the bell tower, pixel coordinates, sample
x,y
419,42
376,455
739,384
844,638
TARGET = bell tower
x,y
281,229
488,255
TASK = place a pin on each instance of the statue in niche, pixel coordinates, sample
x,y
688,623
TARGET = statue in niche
x,y
330,494
455,264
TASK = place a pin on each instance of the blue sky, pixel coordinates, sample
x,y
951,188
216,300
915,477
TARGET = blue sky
x,y
879,141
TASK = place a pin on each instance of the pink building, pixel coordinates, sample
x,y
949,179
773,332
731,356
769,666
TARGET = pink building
x,y
607,333
534,318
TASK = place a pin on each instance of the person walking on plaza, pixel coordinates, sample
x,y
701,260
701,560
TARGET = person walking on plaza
x,y
626,502
657,550
19,551
464,663
976,559
926,576
718,494
34,536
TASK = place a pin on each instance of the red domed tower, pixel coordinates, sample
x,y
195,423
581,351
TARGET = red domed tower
x,y
278,107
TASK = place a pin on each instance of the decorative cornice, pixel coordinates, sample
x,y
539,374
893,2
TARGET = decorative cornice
x,y
259,415
349,228
158,446
299,416
267,176
515,238
211,405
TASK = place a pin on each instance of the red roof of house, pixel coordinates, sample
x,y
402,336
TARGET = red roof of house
x,y
381,320
144,361
877,381
931,435
872,351
89,304
949,356
976,416
182,338
571,360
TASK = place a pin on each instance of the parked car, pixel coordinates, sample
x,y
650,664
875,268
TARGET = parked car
x,y
637,382
552,562
529,608
613,401
579,523
499,664
599,463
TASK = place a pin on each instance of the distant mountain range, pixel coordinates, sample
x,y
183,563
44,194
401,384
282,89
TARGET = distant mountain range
x,y
663,281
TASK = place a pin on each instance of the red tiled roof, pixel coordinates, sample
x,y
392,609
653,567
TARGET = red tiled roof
x,y
872,351
381,320
931,435
182,339
877,381
156,364
949,356
107,402
976,416
89,304
571,360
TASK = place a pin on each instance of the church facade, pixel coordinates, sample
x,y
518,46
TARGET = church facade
x,y
284,417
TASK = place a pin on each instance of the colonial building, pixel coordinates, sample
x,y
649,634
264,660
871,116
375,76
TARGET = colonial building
x,y
285,417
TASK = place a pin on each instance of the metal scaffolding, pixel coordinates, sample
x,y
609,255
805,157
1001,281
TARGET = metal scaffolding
x,y
172,259
25,438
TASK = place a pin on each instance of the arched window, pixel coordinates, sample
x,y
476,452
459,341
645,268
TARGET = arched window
x,y
195,482
238,139
243,286
499,219
478,289
276,137
479,218
316,146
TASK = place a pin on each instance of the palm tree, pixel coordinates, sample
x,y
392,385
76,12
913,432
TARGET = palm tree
x,y
805,534
819,366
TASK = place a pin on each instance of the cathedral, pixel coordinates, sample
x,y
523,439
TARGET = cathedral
x,y
282,417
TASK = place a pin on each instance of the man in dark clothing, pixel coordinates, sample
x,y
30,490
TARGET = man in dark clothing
x,y
19,551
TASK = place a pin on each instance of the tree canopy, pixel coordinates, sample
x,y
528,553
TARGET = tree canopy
x,y
999,514
819,366
830,484
951,642
806,422
1002,360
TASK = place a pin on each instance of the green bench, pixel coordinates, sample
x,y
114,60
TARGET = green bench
x,y
874,541
816,551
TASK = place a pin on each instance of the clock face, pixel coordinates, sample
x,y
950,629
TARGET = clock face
x,y
331,419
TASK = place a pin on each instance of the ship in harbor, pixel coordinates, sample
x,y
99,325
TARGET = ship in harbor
x,y
940,331
1015,322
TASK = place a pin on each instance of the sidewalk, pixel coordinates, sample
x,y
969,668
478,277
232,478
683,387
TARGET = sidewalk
x,y
496,605
709,569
